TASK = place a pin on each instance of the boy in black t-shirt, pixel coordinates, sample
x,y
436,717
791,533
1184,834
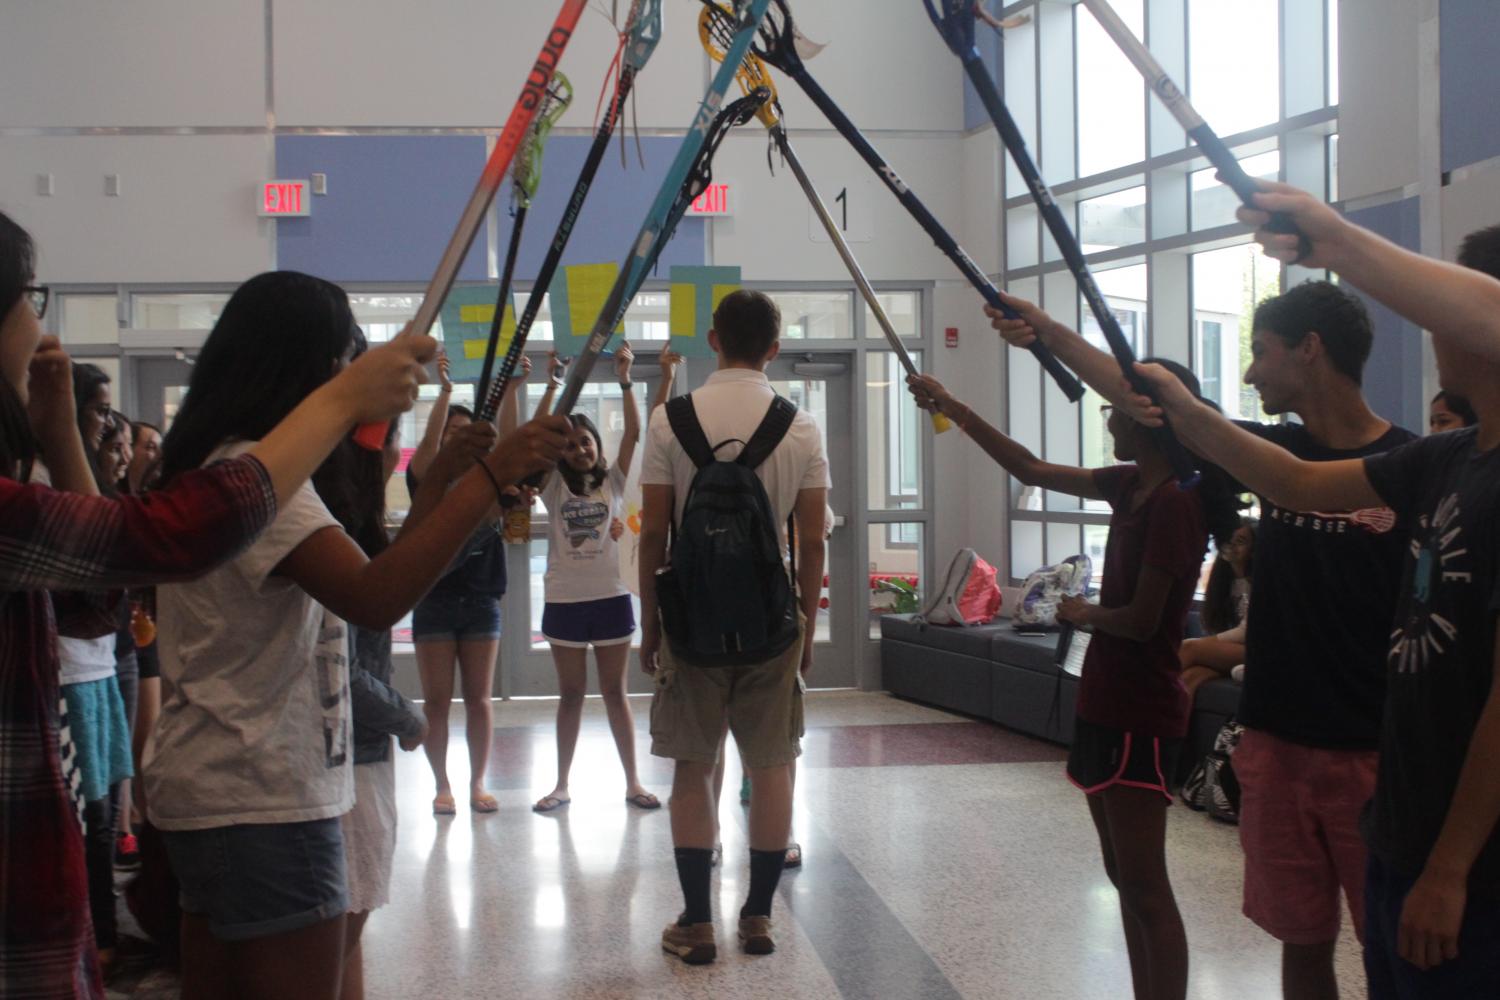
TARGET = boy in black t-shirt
x,y
1433,889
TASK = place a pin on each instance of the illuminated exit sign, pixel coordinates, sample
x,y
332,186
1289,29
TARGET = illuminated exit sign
x,y
283,198
717,199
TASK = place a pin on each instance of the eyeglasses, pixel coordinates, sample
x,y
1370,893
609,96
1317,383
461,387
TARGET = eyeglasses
x,y
37,297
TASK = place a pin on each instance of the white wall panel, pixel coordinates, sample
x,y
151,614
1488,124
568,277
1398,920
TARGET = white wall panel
x,y
186,212
461,63
1471,202
1378,99
84,63
979,231
770,234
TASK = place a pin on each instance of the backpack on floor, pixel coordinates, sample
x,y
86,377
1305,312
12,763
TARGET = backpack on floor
x,y
1211,786
970,594
726,598
1045,588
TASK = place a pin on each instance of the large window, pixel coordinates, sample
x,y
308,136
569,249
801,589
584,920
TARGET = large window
x,y
1179,274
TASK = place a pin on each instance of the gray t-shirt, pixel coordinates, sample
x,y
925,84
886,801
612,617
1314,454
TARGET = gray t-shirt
x,y
255,722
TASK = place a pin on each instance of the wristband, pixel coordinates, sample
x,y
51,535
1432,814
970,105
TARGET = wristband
x,y
627,386
500,496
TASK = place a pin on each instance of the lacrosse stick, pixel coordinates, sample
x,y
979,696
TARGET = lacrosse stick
x,y
752,74
777,45
956,24
533,94
1197,129
525,179
638,41
689,167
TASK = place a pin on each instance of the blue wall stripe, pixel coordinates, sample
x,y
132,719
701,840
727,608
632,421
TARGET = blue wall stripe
x,y
1393,376
1469,59
392,203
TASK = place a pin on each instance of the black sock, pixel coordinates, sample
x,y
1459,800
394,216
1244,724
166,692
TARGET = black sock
x,y
694,872
765,875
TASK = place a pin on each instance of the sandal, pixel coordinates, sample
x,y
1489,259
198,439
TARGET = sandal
x,y
484,802
643,800
793,855
549,803
443,804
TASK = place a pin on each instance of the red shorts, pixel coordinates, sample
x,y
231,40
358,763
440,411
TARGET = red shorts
x,y
1299,826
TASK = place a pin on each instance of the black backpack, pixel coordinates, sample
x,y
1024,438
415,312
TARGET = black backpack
x,y
726,598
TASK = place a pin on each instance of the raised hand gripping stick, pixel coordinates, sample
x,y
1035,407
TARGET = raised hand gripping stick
x,y
752,75
639,39
690,165
777,46
956,24
372,436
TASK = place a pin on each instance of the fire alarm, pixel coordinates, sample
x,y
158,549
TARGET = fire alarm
x,y
950,336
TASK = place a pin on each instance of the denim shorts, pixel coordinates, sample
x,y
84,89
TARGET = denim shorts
x,y
261,879
455,618
609,621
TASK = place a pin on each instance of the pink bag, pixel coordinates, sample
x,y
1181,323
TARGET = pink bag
x,y
970,594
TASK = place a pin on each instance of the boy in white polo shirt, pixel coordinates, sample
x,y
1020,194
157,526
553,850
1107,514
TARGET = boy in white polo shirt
x,y
761,701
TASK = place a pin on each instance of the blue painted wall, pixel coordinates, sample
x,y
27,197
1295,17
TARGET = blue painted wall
x,y
1469,47
392,203
1393,377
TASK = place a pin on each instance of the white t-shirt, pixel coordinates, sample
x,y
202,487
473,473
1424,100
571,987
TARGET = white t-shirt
x,y
84,660
583,561
255,727
730,406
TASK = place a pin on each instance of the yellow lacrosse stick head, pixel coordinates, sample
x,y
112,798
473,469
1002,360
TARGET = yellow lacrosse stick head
x,y
716,27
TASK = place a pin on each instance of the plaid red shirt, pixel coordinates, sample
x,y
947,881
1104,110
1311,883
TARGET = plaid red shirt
x,y
52,540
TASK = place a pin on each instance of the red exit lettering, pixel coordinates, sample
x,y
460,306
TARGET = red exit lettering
x,y
283,198
713,201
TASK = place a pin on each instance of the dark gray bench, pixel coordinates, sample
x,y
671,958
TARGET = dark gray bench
x,y
992,672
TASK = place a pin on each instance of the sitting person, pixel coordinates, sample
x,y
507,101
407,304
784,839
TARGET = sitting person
x,y
1226,606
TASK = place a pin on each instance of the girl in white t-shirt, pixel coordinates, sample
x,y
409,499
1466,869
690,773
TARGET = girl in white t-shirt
x,y
251,763
588,604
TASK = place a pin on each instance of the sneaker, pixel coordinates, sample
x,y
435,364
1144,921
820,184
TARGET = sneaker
x,y
693,943
755,936
745,790
127,852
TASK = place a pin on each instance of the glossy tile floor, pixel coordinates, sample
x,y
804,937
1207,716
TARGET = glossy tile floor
x,y
944,858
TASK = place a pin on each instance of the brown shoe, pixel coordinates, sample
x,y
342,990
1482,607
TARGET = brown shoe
x,y
694,943
755,935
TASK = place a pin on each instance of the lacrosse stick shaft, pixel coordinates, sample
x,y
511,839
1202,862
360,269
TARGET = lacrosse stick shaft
x,y
484,411
1183,464
1187,116
559,245
533,95
657,226
940,423
929,222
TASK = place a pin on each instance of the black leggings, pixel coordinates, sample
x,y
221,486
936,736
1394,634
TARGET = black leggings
x,y
98,856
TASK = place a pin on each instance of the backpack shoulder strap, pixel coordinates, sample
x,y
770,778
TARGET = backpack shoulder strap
x,y
768,435
683,418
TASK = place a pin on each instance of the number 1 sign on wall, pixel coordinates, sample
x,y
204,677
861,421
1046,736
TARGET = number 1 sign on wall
x,y
852,205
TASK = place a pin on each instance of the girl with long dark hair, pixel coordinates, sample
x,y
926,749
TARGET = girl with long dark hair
x,y
250,766
588,603
51,539
1132,711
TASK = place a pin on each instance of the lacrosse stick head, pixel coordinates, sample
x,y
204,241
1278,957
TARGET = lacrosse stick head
x,y
642,32
954,20
776,42
527,175
716,35
731,116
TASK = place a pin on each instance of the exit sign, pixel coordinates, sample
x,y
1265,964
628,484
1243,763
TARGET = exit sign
x,y
282,198
717,199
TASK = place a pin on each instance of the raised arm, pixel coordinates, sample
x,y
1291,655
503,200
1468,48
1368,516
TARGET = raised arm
x,y
670,361
54,419
1010,454
1098,369
432,434
515,392
1446,299
623,357
375,593
1261,466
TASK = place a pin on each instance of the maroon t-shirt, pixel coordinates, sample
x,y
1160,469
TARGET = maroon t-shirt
x,y
1137,686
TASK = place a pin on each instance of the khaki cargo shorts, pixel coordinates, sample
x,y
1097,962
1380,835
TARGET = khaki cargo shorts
x,y
762,703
